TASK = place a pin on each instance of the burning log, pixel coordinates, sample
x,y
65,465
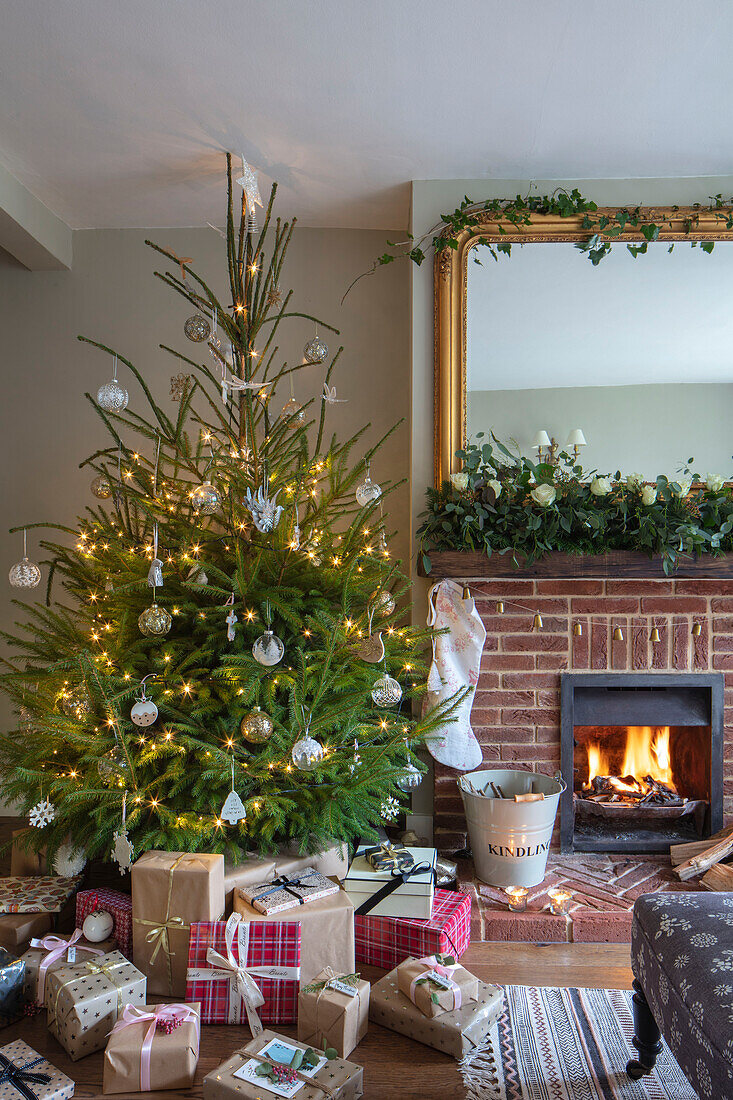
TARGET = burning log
x,y
628,789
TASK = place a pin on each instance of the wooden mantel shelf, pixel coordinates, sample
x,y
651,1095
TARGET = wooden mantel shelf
x,y
474,565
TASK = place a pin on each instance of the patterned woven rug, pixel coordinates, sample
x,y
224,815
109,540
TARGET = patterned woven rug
x,y
566,1044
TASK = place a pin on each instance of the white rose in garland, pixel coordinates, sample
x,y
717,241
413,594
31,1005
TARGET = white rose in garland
x,y
648,495
714,482
601,486
634,481
495,486
459,481
684,486
544,495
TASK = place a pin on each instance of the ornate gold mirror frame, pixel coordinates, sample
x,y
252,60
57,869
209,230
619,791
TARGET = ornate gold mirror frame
x,y
450,274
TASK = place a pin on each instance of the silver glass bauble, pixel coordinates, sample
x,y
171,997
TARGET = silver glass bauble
x,y
113,768
367,492
76,702
293,412
101,487
315,351
144,712
205,499
197,328
256,727
112,397
410,779
386,691
268,649
25,720
382,604
307,753
25,574
154,621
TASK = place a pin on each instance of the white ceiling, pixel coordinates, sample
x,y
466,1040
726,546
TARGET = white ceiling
x,y
114,113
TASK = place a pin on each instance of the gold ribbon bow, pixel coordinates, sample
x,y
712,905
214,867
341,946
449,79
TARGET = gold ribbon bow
x,y
158,933
93,968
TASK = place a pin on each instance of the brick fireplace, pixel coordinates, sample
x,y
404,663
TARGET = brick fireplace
x,y
516,710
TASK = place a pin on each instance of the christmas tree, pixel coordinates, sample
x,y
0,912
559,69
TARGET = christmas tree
x,y
220,663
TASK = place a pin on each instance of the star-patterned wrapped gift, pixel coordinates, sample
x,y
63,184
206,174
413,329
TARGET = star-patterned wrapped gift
x,y
21,1065
237,1078
84,1000
456,1033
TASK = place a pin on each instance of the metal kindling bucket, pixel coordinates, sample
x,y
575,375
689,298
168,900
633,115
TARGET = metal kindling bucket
x,y
510,840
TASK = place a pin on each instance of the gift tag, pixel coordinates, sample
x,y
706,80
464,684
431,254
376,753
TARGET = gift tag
x,y
71,954
342,987
439,980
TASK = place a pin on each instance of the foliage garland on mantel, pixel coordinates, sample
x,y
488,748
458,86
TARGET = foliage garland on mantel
x,y
502,502
602,227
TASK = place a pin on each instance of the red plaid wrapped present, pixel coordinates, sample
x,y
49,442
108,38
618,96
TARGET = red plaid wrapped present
x,y
388,941
253,965
120,907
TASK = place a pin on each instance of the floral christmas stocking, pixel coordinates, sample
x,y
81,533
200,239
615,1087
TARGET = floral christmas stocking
x,y
456,662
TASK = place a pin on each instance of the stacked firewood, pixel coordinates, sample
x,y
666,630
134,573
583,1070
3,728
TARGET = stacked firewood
x,y
704,857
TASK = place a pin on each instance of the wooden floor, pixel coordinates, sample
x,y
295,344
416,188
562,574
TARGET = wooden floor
x,y
394,1066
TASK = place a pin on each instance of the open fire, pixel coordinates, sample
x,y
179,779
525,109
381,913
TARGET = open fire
x,y
646,772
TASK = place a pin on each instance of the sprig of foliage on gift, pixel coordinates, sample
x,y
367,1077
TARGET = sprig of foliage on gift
x,y
503,502
442,960
285,1072
318,570
347,979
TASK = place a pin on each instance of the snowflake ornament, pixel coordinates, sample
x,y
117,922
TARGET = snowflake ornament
x,y
123,851
69,860
42,814
390,808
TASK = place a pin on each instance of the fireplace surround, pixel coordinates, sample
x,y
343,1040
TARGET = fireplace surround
x,y
666,626
642,756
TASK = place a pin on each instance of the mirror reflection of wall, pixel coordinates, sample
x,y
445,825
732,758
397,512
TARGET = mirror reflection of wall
x,y
638,353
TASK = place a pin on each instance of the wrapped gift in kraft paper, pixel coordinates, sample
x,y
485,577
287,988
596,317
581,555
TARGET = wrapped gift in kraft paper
x,y
251,1073
171,890
332,862
244,970
49,952
333,1011
394,887
24,860
326,932
18,929
457,1033
26,1073
119,907
153,1047
436,984
388,941
85,999
12,982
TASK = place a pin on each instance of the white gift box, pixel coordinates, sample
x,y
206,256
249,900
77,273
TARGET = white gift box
x,y
412,898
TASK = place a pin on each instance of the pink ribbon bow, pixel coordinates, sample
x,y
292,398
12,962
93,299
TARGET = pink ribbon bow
x,y
177,1014
443,971
56,947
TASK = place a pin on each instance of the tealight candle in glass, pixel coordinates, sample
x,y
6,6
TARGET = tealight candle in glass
x,y
517,896
560,900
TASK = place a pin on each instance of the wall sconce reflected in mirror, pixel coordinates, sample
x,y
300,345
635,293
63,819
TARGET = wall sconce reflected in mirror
x,y
576,440
546,445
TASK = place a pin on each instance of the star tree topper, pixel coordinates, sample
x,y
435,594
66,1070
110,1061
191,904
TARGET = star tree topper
x,y
248,182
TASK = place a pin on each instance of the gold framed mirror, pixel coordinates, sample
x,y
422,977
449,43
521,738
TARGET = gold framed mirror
x,y
686,224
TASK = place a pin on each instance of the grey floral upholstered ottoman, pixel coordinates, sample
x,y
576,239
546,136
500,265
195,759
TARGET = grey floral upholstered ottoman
x,y
682,957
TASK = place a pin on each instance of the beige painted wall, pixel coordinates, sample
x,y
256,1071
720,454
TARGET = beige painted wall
x,y
46,425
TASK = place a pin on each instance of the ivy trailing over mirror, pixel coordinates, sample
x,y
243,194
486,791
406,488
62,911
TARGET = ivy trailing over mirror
x,y
501,502
600,227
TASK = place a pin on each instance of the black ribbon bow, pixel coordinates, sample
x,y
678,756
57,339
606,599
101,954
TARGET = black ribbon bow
x,y
399,878
288,885
21,1078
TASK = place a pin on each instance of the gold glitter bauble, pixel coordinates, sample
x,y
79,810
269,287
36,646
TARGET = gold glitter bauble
x,y
154,621
101,487
256,727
